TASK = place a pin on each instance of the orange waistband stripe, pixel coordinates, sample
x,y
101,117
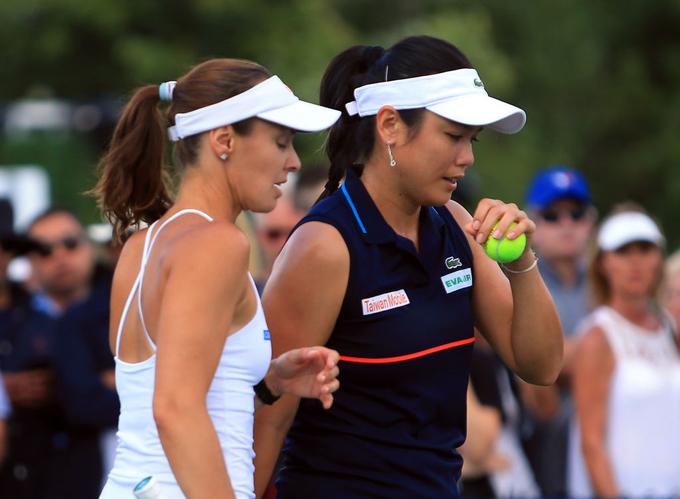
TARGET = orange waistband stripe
x,y
410,356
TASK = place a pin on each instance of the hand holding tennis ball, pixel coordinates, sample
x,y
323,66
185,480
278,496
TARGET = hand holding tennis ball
x,y
505,250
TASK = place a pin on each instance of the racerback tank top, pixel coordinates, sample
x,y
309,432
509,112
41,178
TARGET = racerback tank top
x,y
230,400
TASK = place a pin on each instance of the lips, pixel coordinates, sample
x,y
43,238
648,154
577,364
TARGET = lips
x,y
453,181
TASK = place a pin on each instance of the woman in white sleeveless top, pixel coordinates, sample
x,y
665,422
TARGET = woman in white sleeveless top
x,y
191,344
627,371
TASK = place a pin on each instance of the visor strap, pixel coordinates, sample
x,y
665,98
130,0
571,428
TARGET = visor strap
x,y
352,108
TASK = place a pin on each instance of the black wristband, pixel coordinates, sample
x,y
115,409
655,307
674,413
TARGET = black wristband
x,y
264,393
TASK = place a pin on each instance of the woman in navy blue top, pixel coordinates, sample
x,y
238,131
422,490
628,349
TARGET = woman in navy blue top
x,y
390,272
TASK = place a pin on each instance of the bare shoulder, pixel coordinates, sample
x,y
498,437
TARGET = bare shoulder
x,y
318,242
460,214
593,350
314,258
216,244
593,341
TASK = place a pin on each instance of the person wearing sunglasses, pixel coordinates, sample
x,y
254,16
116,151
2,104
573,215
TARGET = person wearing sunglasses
x,y
63,261
559,200
44,451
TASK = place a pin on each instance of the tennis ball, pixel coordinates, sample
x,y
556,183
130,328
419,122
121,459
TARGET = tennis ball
x,y
505,250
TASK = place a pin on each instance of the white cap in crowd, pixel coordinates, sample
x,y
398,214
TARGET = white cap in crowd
x,y
628,227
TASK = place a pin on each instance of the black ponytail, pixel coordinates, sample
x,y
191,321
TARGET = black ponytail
x,y
350,141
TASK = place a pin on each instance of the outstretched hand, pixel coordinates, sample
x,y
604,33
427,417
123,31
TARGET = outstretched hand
x,y
310,372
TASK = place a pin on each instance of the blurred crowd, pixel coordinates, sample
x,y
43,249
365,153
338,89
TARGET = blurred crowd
x,y
610,419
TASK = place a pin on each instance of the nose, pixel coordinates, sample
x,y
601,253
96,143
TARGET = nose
x,y
465,156
293,163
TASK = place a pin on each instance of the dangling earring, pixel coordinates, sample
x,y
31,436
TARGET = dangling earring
x,y
224,156
393,162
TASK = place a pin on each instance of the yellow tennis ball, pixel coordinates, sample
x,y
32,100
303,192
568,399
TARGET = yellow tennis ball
x,y
505,250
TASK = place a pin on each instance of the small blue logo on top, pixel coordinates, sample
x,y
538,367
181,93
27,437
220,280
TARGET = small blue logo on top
x,y
266,334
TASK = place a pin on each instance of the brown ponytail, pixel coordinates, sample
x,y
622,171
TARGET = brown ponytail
x,y
133,184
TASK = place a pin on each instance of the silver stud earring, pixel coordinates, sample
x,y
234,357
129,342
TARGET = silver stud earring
x,y
224,156
393,162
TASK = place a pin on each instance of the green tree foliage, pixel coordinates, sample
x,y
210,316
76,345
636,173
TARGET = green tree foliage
x,y
600,80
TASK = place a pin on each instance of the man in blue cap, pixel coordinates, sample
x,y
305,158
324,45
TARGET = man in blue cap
x,y
559,201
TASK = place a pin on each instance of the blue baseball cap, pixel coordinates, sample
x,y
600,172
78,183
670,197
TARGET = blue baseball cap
x,y
555,183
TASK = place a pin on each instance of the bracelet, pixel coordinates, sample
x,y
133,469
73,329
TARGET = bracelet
x,y
523,271
264,393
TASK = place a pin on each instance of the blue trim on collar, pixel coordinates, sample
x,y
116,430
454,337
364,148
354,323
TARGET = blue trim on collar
x,y
354,209
42,303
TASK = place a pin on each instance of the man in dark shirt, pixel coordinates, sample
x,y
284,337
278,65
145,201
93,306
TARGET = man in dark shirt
x,y
50,456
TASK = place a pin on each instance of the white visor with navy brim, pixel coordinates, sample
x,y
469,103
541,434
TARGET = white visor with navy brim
x,y
270,100
455,95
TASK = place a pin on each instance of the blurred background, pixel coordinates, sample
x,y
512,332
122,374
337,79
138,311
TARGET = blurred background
x,y
600,81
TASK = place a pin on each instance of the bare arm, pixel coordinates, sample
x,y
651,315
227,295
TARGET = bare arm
x,y
515,314
543,402
315,257
199,301
483,429
592,371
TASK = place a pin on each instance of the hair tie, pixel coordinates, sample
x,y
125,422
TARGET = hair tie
x,y
166,89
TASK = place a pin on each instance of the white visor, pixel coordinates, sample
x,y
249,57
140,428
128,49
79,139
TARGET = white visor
x,y
628,227
455,95
269,100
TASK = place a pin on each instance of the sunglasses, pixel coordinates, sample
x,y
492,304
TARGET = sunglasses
x,y
69,243
576,214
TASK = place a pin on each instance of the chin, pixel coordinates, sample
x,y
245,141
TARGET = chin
x,y
439,200
263,206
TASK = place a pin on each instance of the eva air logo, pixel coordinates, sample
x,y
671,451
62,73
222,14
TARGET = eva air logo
x,y
452,263
457,280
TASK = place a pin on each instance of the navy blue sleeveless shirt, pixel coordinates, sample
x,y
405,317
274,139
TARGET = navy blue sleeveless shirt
x,y
405,334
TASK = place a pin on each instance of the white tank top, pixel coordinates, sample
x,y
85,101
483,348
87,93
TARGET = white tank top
x,y
230,401
643,425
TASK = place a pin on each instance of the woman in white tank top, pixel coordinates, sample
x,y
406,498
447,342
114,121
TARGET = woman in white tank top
x,y
191,344
627,372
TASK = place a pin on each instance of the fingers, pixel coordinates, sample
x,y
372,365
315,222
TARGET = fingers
x,y
328,375
327,401
331,387
332,357
494,218
326,398
330,384
309,372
